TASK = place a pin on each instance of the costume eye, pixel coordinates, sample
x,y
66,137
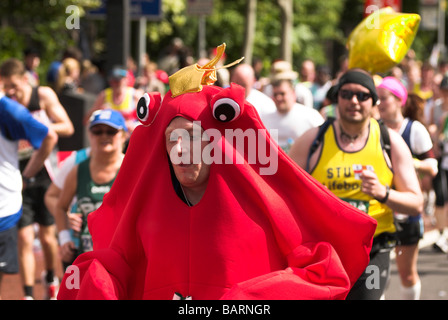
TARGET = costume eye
x,y
228,104
226,110
148,106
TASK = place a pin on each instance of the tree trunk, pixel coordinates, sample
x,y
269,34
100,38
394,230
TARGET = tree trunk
x,y
286,9
251,15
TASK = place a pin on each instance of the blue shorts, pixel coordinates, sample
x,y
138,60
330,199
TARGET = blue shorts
x,y
410,230
9,261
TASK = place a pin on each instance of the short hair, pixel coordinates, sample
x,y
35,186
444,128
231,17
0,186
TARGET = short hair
x,y
12,67
277,83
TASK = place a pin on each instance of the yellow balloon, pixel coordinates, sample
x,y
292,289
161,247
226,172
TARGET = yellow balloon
x,y
382,40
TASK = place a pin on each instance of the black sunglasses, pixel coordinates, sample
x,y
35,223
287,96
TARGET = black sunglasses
x,y
348,95
109,132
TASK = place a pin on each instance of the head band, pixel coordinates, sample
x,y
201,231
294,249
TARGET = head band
x,y
353,76
396,88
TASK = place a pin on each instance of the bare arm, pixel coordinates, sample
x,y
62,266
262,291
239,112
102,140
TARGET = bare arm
x,y
51,198
61,122
65,199
61,211
40,155
426,167
406,196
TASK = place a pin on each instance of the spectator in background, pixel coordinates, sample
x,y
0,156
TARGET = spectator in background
x,y
343,66
423,88
307,72
68,76
440,183
148,81
132,71
92,81
257,65
31,60
320,86
171,58
330,104
435,99
53,71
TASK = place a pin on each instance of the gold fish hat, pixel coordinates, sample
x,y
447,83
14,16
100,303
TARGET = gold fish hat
x,y
192,78
382,40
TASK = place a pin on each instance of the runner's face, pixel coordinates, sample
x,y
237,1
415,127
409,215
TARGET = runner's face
x,y
189,173
353,109
106,139
14,87
284,97
390,105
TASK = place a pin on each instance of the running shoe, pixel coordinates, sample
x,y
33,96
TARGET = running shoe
x,y
441,244
51,288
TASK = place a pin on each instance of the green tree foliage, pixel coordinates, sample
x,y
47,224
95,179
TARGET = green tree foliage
x,y
40,24
315,23
320,27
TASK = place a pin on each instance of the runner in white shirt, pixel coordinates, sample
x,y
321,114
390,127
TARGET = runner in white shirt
x,y
291,119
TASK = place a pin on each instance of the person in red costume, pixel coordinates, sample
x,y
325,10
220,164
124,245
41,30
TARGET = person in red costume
x,y
230,225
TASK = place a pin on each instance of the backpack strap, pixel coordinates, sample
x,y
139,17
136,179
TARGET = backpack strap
x,y
407,134
318,140
385,138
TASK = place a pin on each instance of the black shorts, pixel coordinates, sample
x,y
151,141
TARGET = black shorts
x,y
440,186
34,208
372,283
9,261
409,231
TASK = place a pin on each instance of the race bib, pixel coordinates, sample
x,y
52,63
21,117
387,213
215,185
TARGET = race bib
x,y
359,204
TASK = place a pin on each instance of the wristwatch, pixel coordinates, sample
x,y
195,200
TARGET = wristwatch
x,y
28,180
386,196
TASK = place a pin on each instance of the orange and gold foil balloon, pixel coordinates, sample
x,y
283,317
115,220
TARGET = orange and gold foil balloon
x,y
382,40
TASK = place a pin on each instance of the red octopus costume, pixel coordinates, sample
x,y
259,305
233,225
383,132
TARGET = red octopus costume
x,y
252,236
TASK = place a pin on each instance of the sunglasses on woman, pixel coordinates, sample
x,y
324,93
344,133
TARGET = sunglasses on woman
x,y
348,95
110,132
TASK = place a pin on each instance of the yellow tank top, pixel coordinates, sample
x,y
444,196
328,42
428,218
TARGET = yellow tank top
x,y
425,95
126,107
339,171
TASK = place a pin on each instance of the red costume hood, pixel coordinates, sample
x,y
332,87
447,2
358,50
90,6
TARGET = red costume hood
x,y
252,236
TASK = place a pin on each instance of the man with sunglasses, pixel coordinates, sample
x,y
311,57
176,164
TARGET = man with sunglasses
x,y
89,181
352,163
